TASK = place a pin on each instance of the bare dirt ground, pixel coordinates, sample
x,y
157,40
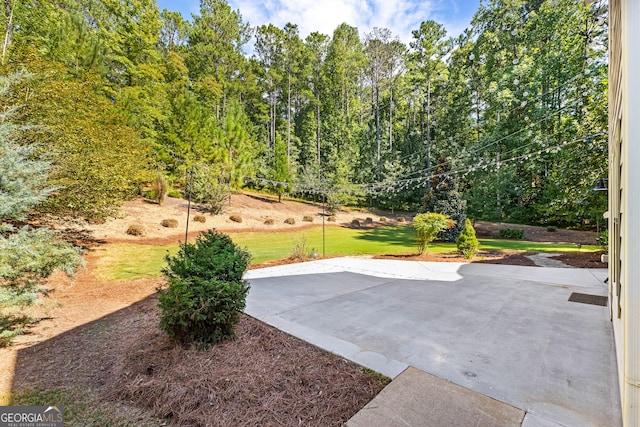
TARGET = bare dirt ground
x,y
103,336
254,209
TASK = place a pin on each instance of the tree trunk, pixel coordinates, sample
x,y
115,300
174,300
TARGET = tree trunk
x,y
391,115
318,118
8,34
289,120
378,126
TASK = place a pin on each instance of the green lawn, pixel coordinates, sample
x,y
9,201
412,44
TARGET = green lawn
x,y
128,261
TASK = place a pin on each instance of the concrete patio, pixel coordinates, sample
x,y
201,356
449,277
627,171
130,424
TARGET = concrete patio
x,y
507,333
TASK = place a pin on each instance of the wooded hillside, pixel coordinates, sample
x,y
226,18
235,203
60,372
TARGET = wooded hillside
x,y
514,111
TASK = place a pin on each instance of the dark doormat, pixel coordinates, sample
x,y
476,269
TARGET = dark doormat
x,y
589,299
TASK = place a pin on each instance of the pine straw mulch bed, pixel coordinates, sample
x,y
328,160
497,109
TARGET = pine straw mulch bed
x,y
263,377
572,259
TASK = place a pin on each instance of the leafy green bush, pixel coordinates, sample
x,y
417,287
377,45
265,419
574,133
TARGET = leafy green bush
x,y
467,241
511,233
176,194
149,194
428,225
205,295
603,240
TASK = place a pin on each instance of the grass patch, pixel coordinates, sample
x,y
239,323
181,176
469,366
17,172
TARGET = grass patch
x,y
128,261
81,409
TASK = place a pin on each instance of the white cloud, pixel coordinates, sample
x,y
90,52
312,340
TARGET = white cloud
x,y
400,16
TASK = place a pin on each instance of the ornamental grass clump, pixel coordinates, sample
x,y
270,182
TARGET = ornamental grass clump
x,y
467,242
206,294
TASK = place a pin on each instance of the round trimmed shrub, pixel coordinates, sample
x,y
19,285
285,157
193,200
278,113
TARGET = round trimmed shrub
x,y
332,218
401,219
368,220
307,218
467,242
200,218
205,295
383,219
135,230
290,221
355,223
269,221
236,218
169,223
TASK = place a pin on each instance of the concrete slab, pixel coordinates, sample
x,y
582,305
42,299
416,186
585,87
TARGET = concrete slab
x,y
507,332
416,398
531,420
544,259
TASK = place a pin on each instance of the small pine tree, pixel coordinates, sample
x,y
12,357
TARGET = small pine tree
x,y
209,189
444,198
467,242
206,293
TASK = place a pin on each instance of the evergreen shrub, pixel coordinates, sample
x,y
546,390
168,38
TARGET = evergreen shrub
x,y
467,242
236,218
206,294
176,194
209,189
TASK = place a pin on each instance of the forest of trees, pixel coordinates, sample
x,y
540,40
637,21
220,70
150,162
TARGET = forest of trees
x,y
513,111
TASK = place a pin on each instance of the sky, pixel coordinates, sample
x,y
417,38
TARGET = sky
x,y
400,16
